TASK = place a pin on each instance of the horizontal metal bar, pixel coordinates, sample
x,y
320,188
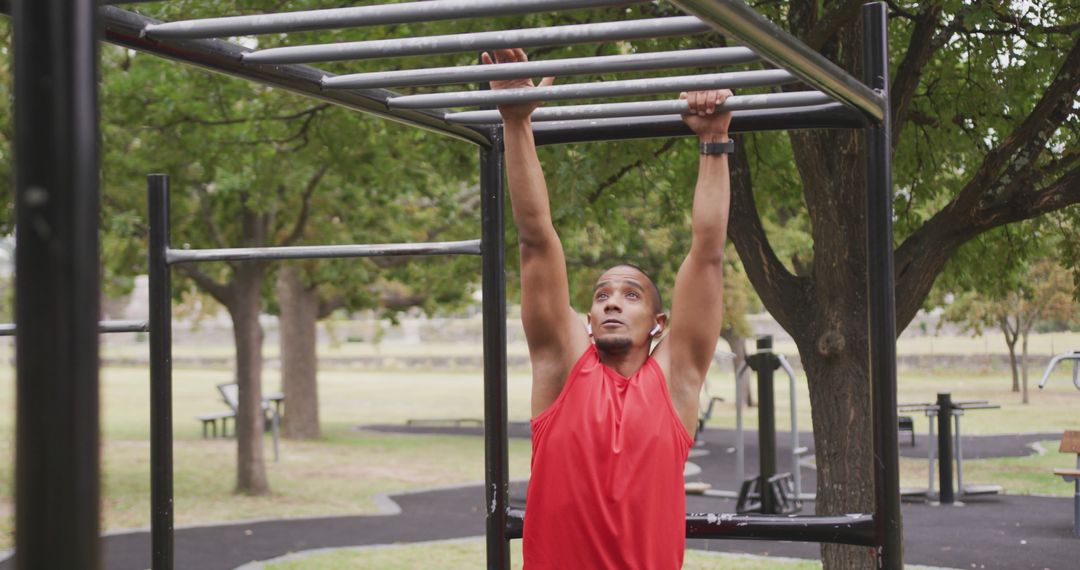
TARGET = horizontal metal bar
x,y
849,529
829,116
468,247
645,108
8,329
544,68
360,16
741,22
457,43
123,28
618,88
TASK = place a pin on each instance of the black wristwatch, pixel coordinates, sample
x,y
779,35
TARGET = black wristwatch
x,y
726,147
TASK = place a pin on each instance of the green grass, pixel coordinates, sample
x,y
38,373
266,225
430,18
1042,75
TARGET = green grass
x,y
469,554
1031,475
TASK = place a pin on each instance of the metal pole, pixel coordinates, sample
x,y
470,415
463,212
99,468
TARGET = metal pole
x,y
9,329
945,451
57,467
959,452
469,247
831,116
881,287
125,28
795,470
931,454
551,67
735,18
363,16
733,79
740,435
496,452
764,364
647,108
161,458
457,43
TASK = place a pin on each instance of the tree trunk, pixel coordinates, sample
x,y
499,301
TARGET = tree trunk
x,y
737,343
840,403
250,423
1013,364
299,361
1024,364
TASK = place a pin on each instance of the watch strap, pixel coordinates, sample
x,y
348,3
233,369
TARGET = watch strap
x,y
708,148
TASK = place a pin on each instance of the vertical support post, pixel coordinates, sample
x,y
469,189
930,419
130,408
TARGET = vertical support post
x,y
931,455
881,295
57,465
161,458
765,363
945,449
796,469
493,246
740,435
959,451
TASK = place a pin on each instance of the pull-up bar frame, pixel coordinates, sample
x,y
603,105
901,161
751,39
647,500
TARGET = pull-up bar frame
x,y
66,41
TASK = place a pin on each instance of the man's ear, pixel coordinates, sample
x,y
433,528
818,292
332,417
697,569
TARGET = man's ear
x,y
661,324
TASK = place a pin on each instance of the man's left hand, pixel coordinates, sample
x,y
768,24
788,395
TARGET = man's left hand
x,y
709,124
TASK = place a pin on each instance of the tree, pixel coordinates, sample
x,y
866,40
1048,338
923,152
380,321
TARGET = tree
x,y
971,156
1043,291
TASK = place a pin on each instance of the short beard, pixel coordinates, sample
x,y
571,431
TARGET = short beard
x,y
614,344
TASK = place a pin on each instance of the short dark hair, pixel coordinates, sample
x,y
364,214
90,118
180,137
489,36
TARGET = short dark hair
x,y
657,300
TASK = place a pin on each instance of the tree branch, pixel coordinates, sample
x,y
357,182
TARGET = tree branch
x,y
305,206
779,290
835,18
221,293
1019,150
611,180
909,72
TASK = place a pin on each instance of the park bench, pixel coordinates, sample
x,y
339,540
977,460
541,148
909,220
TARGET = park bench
x,y
1070,443
230,394
210,423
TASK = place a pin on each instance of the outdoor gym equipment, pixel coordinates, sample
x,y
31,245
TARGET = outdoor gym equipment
x,y
949,443
1073,356
769,492
767,417
56,150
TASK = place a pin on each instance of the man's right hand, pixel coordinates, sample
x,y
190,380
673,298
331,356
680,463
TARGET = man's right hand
x,y
519,111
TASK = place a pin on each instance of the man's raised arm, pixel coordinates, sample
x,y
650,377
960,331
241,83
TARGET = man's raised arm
x,y
555,334
698,303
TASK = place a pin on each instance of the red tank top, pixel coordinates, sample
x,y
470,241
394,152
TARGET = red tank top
x,y
607,488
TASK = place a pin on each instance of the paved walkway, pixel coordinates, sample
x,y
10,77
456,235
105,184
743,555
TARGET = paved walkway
x,y
1000,532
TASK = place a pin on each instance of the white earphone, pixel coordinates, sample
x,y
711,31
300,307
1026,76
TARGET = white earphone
x,y
588,329
655,329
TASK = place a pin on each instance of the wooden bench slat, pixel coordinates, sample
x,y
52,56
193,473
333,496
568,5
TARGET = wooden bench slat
x,y
1070,442
1067,472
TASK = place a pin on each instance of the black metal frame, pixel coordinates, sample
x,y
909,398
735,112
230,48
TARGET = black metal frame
x,y
56,266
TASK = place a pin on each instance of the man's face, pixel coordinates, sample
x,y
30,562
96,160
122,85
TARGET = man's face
x,y
623,312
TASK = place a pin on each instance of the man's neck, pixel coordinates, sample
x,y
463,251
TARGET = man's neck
x,y
626,363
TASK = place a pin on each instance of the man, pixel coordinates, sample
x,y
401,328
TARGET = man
x,y
613,424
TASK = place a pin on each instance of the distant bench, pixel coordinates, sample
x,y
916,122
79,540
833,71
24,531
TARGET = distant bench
x,y
230,395
1070,443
